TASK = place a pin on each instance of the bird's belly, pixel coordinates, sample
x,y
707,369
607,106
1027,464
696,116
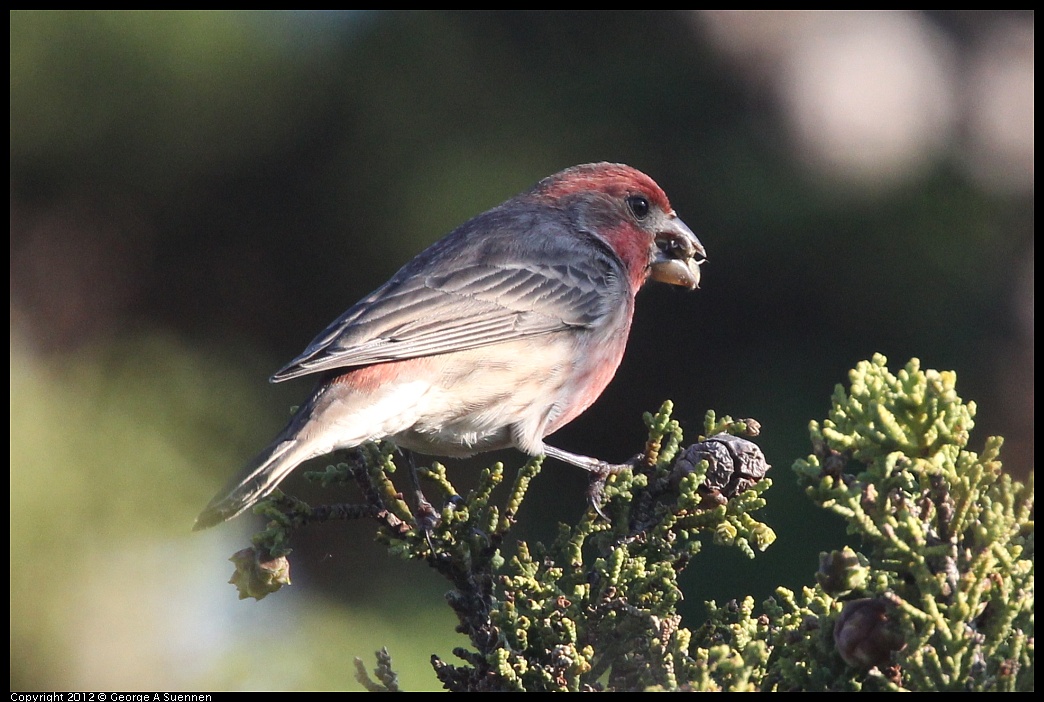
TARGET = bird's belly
x,y
475,410
466,402
483,402
452,443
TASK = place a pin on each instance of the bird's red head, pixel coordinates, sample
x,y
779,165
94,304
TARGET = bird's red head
x,y
613,179
632,214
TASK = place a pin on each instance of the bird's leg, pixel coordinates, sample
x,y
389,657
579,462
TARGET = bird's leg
x,y
599,470
426,516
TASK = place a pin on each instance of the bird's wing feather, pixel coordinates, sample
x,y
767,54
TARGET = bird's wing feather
x,y
491,295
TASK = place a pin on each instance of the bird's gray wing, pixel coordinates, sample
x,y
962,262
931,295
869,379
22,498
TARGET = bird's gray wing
x,y
460,294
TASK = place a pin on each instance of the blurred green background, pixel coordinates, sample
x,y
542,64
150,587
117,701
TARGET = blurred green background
x,y
194,195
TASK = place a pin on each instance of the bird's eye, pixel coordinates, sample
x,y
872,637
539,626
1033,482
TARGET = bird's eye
x,y
639,206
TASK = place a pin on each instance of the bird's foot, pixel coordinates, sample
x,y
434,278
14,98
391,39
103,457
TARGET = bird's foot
x,y
426,518
596,492
599,470
599,476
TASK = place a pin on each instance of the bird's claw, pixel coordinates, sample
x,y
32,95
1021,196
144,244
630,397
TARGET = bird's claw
x,y
426,519
596,493
425,516
596,488
599,476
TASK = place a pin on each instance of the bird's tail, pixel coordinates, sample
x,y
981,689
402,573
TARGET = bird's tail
x,y
259,478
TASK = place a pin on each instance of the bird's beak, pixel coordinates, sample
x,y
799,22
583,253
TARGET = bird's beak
x,y
678,256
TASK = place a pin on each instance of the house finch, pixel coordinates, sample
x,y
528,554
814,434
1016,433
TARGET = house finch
x,y
495,336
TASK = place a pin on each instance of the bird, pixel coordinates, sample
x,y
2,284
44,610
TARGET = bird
x,y
495,336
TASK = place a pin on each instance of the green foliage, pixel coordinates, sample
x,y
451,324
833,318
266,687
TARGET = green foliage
x,y
940,594
596,608
387,680
936,593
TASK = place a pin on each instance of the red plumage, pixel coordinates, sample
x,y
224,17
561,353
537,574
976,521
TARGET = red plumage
x,y
495,336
